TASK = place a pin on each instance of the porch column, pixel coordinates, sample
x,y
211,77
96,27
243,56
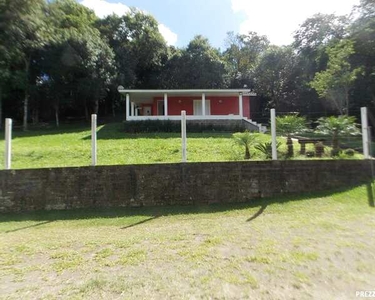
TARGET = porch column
x,y
136,111
132,110
127,106
165,104
203,104
240,105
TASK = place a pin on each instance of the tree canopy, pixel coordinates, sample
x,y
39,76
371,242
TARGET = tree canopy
x,y
59,60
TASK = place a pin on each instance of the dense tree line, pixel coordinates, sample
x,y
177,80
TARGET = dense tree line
x,y
59,60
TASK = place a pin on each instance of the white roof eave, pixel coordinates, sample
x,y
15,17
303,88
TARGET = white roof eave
x,y
245,92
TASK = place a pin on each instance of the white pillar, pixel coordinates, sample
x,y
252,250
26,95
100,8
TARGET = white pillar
x,y
203,104
132,109
136,111
93,139
165,104
240,105
273,134
183,134
127,106
8,143
365,143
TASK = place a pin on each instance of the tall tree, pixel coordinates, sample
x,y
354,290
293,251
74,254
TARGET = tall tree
x,y
334,82
24,26
198,66
242,55
82,62
274,77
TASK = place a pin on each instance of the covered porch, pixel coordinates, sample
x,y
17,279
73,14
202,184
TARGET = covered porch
x,y
199,104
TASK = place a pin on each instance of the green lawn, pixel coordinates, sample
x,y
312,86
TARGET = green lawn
x,y
317,246
70,145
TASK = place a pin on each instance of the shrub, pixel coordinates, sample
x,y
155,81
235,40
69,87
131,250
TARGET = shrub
x,y
266,148
349,152
148,126
288,125
336,127
245,139
310,153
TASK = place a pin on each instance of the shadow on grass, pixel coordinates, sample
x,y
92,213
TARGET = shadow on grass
x,y
31,226
159,211
141,222
370,193
258,213
48,130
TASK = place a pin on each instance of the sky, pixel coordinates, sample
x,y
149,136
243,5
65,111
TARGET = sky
x,y
180,20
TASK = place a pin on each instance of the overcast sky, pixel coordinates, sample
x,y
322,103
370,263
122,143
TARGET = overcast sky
x,y
180,20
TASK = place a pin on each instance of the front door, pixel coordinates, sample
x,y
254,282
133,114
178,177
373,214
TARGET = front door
x,y
198,107
147,110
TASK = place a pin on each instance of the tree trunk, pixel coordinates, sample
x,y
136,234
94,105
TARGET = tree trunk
x,y
335,144
347,101
86,112
57,115
289,144
1,107
26,97
35,116
247,152
96,106
113,108
25,109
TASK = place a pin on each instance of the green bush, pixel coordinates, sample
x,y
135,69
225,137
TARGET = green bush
x,y
349,152
245,139
266,148
173,126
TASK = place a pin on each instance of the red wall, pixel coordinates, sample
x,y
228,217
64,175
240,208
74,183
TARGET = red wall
x,y
228,105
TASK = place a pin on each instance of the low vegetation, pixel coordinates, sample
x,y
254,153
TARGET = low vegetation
x,y
70,145
303,247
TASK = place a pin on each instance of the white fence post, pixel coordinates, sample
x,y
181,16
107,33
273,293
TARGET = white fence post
x,y
8,143
183,134
273,134
93,139
365,133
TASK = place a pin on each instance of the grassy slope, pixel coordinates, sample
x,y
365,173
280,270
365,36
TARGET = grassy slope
x,y
311,247
71,146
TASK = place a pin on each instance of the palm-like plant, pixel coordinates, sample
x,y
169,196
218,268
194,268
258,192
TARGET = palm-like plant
x,y
288,125
336,127
266,148
245,139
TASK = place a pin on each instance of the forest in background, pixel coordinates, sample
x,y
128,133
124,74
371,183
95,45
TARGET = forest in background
x,y
59,61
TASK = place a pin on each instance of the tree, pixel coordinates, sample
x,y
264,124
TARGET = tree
x,y
310,41
274,77
334,82
25,28
242,55
81,62
198,66
336,127
288,125
362,32
245,139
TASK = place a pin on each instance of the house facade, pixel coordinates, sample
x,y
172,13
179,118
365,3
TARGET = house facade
x,y
199,104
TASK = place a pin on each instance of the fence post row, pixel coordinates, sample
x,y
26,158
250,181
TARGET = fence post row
x,y
93,139
183,134
273,134
8,143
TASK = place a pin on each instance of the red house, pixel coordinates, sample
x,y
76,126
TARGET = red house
x,y
199,104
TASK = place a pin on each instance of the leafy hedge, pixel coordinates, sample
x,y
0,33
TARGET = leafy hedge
x,y
175,126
